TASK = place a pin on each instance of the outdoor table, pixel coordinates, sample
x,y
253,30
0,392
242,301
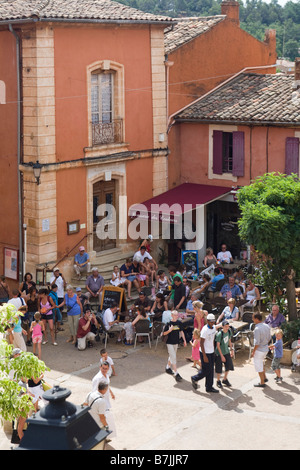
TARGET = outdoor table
x,y
219,300
238,325
230,267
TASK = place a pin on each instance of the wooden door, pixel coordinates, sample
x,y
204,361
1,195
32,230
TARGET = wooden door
x,y
104,192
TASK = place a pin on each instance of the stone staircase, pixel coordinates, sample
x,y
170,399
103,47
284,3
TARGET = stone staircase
x,y
105,263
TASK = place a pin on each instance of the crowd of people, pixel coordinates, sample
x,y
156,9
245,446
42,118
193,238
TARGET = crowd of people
x,y
172,301
158,292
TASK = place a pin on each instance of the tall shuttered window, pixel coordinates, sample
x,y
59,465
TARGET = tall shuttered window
x,y
228,153
292,155
102,97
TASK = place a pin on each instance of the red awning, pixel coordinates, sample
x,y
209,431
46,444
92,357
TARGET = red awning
x,y
170,206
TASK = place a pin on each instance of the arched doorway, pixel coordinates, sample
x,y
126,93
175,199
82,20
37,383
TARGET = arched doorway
x,y
104,192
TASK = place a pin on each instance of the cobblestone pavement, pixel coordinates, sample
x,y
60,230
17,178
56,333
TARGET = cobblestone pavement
x,y
154,412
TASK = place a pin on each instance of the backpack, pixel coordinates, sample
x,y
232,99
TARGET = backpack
x,y
222,335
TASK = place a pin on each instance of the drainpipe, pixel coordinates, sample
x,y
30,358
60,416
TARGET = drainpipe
x,y
19,152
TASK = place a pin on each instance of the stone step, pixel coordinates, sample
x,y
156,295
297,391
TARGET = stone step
x,y
108,257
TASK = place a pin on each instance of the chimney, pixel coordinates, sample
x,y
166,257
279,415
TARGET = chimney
x,y
297,69
296,83
231,9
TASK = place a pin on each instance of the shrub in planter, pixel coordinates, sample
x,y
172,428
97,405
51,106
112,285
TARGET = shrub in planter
x,y
290,333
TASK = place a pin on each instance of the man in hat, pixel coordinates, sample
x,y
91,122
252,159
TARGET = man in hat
x,y
207,355
82,262
82,297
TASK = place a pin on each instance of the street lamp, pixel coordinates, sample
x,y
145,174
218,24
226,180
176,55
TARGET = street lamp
x,y
37,169
61,425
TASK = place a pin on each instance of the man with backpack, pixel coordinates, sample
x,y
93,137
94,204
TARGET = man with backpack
x,y
223,354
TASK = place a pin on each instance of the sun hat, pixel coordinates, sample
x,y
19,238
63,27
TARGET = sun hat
x,y
210,317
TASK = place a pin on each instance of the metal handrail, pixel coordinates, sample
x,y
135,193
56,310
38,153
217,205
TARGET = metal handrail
x,y
67,254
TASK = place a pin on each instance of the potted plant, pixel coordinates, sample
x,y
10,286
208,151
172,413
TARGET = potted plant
x,y
291,332
14,401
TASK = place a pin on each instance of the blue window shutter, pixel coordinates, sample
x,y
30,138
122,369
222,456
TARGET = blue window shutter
x,y
238,153
217,152
291,155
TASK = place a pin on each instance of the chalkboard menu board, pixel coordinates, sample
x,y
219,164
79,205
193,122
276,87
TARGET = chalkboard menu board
x,y
113,294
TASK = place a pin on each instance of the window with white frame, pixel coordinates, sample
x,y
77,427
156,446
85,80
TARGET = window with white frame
x,y
102,97
106,103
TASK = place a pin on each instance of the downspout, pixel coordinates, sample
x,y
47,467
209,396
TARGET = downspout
x,y
19,151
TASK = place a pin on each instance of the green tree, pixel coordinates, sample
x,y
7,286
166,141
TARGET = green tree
x,y
13,401
270,221
291,49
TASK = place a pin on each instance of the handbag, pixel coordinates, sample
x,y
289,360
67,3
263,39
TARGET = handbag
x,y
45,386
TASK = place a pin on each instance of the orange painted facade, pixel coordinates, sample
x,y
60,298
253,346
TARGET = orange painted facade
x,y
214,56
264,152
200,65
58,62
9,227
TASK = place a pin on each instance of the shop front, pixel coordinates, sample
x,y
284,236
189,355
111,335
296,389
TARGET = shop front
x,y
191,217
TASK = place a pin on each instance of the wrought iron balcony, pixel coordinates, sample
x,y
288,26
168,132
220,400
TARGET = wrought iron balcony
x,y
107,132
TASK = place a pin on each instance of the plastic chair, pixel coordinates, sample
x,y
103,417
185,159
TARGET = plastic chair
x,y
103,329
247,333
142,328
250,336
158,328
219,286
247,318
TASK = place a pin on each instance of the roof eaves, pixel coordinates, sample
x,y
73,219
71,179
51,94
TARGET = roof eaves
x,y
263,123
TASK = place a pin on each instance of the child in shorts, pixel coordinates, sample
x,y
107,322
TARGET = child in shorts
x,y
129,331
37,328
277,347
195,348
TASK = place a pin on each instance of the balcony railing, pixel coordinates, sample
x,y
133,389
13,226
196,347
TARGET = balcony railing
x,y
107,132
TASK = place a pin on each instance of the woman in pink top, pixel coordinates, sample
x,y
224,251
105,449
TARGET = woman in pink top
x,y
46,305
199,319
37,328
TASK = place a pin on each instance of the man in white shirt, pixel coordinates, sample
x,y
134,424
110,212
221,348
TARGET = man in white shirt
x,y
59,280
224,256
207,355
140,256
102,376
16,300
96,401
110,323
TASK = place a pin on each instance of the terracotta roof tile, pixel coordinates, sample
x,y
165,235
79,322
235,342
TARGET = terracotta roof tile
x,y
105,10
187,29
248,98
